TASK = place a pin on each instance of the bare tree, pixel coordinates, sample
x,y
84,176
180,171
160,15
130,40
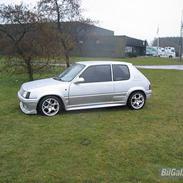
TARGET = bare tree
x,y
25,36
59,11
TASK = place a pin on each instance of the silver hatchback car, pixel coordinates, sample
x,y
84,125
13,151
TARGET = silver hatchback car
x,y
86,85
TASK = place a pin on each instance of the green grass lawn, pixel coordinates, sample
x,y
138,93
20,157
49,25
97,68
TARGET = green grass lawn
x,y
111,145
137,60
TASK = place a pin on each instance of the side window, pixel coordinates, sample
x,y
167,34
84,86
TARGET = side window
x,y
98,73
120,72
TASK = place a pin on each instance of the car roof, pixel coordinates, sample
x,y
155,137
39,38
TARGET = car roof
x,y
88,63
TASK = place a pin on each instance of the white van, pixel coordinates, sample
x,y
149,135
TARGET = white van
x,y
170,52
160,51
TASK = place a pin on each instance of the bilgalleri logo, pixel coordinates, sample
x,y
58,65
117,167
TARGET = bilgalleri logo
x,y
171,172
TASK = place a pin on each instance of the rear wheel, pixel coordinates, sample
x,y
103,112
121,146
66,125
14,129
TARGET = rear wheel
x,y
136,100
49,106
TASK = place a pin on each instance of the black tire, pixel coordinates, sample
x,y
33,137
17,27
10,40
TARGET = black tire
x,y
136,100
49,106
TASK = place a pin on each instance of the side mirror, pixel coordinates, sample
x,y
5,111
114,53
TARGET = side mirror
x,y
79,80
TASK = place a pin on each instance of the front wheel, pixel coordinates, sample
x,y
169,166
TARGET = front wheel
x,y
49,106
136,100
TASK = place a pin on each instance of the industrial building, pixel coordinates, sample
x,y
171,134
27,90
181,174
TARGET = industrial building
x,y
93,41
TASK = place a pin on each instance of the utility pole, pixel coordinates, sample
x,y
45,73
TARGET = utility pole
x,y
181,35
157,36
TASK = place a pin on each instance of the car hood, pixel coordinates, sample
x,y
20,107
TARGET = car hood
x,y
41,83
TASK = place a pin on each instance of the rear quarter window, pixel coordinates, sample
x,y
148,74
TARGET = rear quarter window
x,y
120,72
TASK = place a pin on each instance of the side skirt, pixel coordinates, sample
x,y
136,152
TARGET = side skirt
x,y
94,106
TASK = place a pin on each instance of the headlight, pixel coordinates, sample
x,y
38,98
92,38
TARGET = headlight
x,y
26,94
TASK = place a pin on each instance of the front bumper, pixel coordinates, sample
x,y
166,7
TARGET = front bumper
x,y
27,106
148,93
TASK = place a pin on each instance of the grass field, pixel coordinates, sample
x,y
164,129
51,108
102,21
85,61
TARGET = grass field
x,y
111,145
137,60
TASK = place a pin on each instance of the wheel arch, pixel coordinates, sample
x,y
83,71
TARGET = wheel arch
x,y
59,97
135,90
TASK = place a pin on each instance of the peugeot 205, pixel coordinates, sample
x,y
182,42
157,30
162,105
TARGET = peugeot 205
x,y
86,85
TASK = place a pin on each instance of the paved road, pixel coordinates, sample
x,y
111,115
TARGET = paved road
x,y
168,67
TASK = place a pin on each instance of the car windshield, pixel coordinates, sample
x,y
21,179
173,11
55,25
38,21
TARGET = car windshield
x,y
70,73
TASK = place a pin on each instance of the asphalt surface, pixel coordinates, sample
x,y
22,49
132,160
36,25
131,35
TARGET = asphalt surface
x,y
167,67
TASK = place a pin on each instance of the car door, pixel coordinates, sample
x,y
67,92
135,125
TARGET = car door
x,y
121,78
96,89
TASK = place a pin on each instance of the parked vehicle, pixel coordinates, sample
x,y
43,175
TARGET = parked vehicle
x,y
170,52
160,51
86,85
151,51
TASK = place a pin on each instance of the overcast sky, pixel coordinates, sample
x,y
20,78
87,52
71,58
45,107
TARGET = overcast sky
x,y
136,18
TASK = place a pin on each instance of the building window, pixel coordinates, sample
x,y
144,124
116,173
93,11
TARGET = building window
x,y
128,49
